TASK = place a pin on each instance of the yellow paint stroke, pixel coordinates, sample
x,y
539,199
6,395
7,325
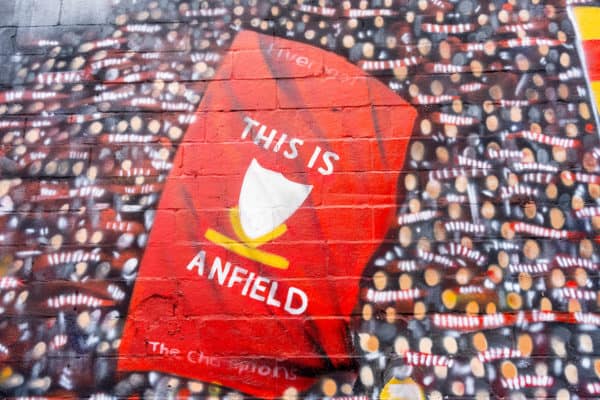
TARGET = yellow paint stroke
x,y
241,249
234,217
588,21
405,389
595,85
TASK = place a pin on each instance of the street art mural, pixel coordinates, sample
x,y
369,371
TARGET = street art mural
x,y
304,199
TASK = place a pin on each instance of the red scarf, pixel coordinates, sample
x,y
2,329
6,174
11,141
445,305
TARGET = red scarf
x,y
279,195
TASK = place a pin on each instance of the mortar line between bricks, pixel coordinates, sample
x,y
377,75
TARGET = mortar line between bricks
x,y
60,12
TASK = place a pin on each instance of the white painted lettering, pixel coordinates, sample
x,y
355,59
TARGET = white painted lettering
x,y
249,124
314,156
247,285
271,297
327,159
280,143
293,152
198,262
258,287
235,275
220,270
255,286
260,136
289,307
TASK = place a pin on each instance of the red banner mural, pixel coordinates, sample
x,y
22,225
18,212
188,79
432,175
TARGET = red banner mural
x,y
266,241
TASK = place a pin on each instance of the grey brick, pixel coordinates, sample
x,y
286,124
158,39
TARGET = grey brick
x,y
36,12
7,13
5,71
7,40
85,12
63,34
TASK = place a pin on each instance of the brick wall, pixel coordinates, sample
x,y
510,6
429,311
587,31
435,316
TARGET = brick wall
x,y
297,199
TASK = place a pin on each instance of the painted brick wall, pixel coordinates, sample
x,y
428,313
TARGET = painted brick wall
x,y
299,199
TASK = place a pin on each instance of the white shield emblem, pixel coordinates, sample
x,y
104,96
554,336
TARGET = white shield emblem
x,y
268,199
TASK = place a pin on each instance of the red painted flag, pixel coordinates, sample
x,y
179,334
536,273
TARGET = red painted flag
x,y
279,195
